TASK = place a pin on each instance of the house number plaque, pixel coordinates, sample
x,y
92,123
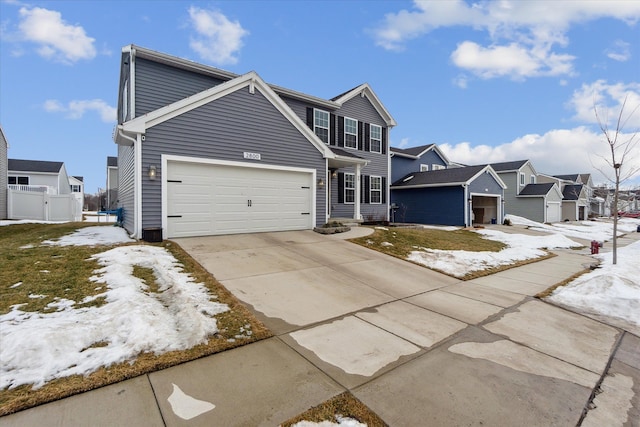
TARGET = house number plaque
x,y
252,156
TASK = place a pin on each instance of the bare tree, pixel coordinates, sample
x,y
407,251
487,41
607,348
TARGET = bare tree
x,y
623,149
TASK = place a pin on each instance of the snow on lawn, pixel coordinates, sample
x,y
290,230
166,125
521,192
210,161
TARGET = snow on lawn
x,y
341,422
612,291
39,347
600,230
90,236
519,248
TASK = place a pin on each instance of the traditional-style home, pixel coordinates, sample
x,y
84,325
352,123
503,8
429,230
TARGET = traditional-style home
x,y
575,201
524,196
204,151
416,159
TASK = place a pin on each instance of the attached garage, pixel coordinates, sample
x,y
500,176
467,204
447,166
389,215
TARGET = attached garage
x,y
208,198
554,211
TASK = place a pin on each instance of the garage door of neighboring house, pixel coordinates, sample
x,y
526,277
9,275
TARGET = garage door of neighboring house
x,y
554,211
206,199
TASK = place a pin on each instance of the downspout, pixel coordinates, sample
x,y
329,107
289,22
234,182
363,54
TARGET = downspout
x,y
136,189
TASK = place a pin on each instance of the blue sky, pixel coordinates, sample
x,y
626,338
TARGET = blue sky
x,y
488,81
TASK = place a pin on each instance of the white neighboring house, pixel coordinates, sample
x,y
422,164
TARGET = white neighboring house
x,y
76,183
4,147
112,183
40,190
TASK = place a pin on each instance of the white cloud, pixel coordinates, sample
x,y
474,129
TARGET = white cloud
x,y
218,39
523,33
76,109
404,143
620,51
55,38
560,151
608,99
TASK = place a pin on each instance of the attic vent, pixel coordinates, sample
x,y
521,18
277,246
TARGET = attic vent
x,y
409,178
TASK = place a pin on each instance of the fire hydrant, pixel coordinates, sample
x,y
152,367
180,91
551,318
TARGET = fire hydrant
x,y
595,247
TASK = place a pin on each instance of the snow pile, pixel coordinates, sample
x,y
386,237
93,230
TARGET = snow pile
x,y
28,221
611,290
600,230
80,340
89,236
340,422
519,248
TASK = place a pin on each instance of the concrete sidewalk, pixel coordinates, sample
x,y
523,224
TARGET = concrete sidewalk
x,y
416,346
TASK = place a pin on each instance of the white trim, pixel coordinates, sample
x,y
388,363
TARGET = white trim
x,y
344,134
522,179
137,189
166,158
424,167
498,204
437,167
132,83
355,184
365,90
328,124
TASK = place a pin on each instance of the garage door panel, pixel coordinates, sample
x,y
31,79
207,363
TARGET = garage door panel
x,y
219,199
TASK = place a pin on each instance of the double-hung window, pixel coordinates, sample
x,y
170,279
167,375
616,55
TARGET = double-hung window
x,y
350,133
349,188
533,179
522,178
321,125
375,139
375,189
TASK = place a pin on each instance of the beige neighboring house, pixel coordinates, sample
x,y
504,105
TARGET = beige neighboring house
x,y
112,183
4,148
575,201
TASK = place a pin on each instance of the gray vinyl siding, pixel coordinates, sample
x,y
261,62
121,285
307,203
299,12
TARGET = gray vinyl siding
x,y
3,176
485,184
528,207
223,130
157,85
125,80
126,181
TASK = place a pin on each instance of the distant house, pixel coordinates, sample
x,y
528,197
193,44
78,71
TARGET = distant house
x,y
458,196
76,183
112,183
4,148
416,159
41,190
575,195
604,207
526,197
203,151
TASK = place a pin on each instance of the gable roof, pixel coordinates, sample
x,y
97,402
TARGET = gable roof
x,y
365,90
41,166
571,191
445,177
585,177
3,137
537,189
79,178
508,166
570,177
419,151
252,80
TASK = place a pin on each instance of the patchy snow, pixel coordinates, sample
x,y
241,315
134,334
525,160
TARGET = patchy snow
x,y
519,248
386,244
612,291
382,228
28,221
340,422
600,230
133,320
441,227
90,236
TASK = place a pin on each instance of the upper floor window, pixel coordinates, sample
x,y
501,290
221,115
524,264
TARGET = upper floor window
x,y
75,188
321,125
435,167
375,189
533,179
522,179
375,138
349,188
18,180
350,133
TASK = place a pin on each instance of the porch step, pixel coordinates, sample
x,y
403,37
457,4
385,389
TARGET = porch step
x,y
349,222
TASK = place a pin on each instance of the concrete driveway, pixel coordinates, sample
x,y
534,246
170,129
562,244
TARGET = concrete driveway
x,y
417,347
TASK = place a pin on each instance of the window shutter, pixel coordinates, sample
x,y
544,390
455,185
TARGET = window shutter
x,y
360,135
367,188
340,187
367,137
310,117
384,189
332,129
340,131
384,140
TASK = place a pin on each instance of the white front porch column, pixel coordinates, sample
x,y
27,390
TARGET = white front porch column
x,y
356,205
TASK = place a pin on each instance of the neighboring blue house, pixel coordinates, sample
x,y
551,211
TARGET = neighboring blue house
x,y
203,151
416,159
460,196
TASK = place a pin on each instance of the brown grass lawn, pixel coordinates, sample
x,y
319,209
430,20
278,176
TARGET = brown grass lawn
x,y
57,271
406,240
344,405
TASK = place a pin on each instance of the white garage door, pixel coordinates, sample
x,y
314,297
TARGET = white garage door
x,y
554,211
205,199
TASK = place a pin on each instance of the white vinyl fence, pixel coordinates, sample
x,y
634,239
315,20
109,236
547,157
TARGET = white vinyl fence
x,y
42,206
